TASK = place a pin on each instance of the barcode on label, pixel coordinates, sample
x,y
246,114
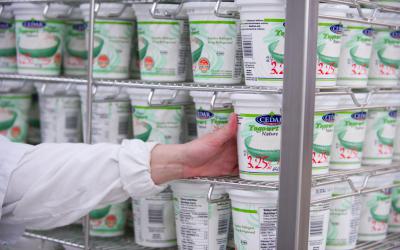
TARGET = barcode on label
x,y
223,225
247,42
71,122
123,125
156,215
316,225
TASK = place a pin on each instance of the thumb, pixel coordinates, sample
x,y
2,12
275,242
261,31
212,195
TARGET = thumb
x,y
224,134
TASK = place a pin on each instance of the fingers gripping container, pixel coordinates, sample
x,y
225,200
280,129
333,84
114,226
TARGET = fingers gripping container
x,y
195,213
215,43
211,115
164,47
15,101
111,114
329,44
39,38
375,210
355,51
381,130
60,113
385,58
394,220
263,41
112,40
108,221
349,135
8,52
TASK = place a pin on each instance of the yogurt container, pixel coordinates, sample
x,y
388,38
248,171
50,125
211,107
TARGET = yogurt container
x,y
8,52
389,3
163,44
263,41
154,220
258,135
39,39
34,136
349,135
15,101
355,51
215,43
112,40
75,53
396,148
344,216
394,219
108,221
329,44
381,130
375,210
60,113
162,121
111,113
201,224
208,120
385,59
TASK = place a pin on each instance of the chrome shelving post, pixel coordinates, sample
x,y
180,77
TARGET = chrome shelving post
x,y
298,118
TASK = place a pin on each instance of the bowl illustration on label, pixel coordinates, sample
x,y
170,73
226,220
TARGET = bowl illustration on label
x,y
396,205
261,152
322,149
8,52
277,52
77,47
384,140
362,61
379,211
7,119
145,135
348,144
330,60
143,50
99,213
37,47
386,57
198,44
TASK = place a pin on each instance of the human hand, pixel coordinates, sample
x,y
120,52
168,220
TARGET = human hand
x,y
214,154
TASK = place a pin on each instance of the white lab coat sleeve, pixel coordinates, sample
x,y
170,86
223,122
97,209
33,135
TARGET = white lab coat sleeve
x,y
56,184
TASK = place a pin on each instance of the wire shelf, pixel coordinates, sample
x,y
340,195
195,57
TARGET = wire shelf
x,y
391,242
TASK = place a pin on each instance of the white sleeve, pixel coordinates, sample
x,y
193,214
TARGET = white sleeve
x,y
56,184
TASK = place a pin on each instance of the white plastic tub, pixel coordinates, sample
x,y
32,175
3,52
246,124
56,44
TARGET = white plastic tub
x,y
60,113
8,52
113,40
259,135
108,221
375,210
39,40
193,213
163,44
209,120
394,220
215,43
385,60
15,101
355,51
154,220
164,122
349,135
263,41
344,217
75,53
329,44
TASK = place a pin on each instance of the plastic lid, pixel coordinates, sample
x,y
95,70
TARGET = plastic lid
x,y
184,188
267,98
107,9
260,2
257,197
53,89
327,101
333,9
56,8
344,187
76,13
15,86
380,180
346,100
159,95
187,1
7,12
103,92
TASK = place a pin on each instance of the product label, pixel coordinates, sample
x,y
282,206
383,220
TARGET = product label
x,y
202,224
155,220
14,110
135,61
263,42
322,141
319,221
39,46
328,50
109,220
379,139
216,50
163,47
161,124
8,52
375,209
74,61
385,62
208,121
60,118
111,121
348,139
259,141
355,53
394,220
112,48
